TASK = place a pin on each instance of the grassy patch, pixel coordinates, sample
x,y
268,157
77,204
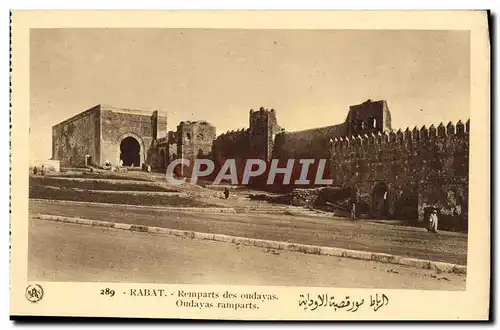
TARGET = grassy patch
x,y
43,192
97,175
96,185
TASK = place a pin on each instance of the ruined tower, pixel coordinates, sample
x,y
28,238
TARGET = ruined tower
x,y
158,125
368,117
263,128
194,140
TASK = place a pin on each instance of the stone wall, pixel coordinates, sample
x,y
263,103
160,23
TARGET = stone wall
x,y
368,117
159,125
256,142
117,124
311,143
77,137
158,153
172,152
232,145
96,135
401,173
194,140
266,140
263,129
450,197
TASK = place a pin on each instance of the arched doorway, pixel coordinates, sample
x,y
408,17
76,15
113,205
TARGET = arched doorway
x,y
130,152
380,201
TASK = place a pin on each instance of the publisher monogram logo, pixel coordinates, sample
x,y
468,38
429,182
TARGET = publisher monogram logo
x,y
34,293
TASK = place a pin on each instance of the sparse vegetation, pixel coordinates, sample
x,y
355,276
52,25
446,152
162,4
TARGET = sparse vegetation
x,y
99,175
45,192
51,188
96,185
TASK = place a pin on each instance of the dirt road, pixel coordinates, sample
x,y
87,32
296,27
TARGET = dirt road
x,y
335,232
69,252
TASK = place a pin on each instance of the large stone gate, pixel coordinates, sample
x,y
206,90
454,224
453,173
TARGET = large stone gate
x,y
105,135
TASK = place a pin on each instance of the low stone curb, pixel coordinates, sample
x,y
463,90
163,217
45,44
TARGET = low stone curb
x,y
293,247
150,207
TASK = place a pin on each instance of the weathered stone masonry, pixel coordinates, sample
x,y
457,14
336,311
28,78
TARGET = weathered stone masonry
x,y
97,136
401,174
194,140
256,142
365,118
266,140
77,137
392,174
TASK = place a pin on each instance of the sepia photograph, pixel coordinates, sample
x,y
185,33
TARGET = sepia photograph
x,y
253,157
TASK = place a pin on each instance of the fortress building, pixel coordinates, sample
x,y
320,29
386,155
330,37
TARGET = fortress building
x,y
107,135
399,173
265,139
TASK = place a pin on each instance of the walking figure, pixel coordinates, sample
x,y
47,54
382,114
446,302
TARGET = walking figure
x,y
433,222
353,208
35,170
226,193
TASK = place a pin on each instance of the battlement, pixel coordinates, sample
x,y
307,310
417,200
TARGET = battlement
x,y
233,133
198,122
263,117
261,111
414,135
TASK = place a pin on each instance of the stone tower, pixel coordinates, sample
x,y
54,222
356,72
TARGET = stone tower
x,y
263,128
368,117
158,125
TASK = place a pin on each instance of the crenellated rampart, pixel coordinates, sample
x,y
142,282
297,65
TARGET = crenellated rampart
x,y
400,174
395,171
233,135
232,144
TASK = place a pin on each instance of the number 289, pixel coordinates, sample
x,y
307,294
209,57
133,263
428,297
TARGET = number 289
x,y
108,292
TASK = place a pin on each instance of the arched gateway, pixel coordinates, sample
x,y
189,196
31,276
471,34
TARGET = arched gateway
x,y
130,150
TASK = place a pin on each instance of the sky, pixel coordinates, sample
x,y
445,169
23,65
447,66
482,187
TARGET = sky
x,y
310,77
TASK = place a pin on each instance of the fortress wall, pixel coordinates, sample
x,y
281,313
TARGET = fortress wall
x,y
117,123
311,143
76,137
426,167
232,145
194,140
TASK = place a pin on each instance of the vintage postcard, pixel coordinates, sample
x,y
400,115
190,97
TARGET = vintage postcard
x,y
251,165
